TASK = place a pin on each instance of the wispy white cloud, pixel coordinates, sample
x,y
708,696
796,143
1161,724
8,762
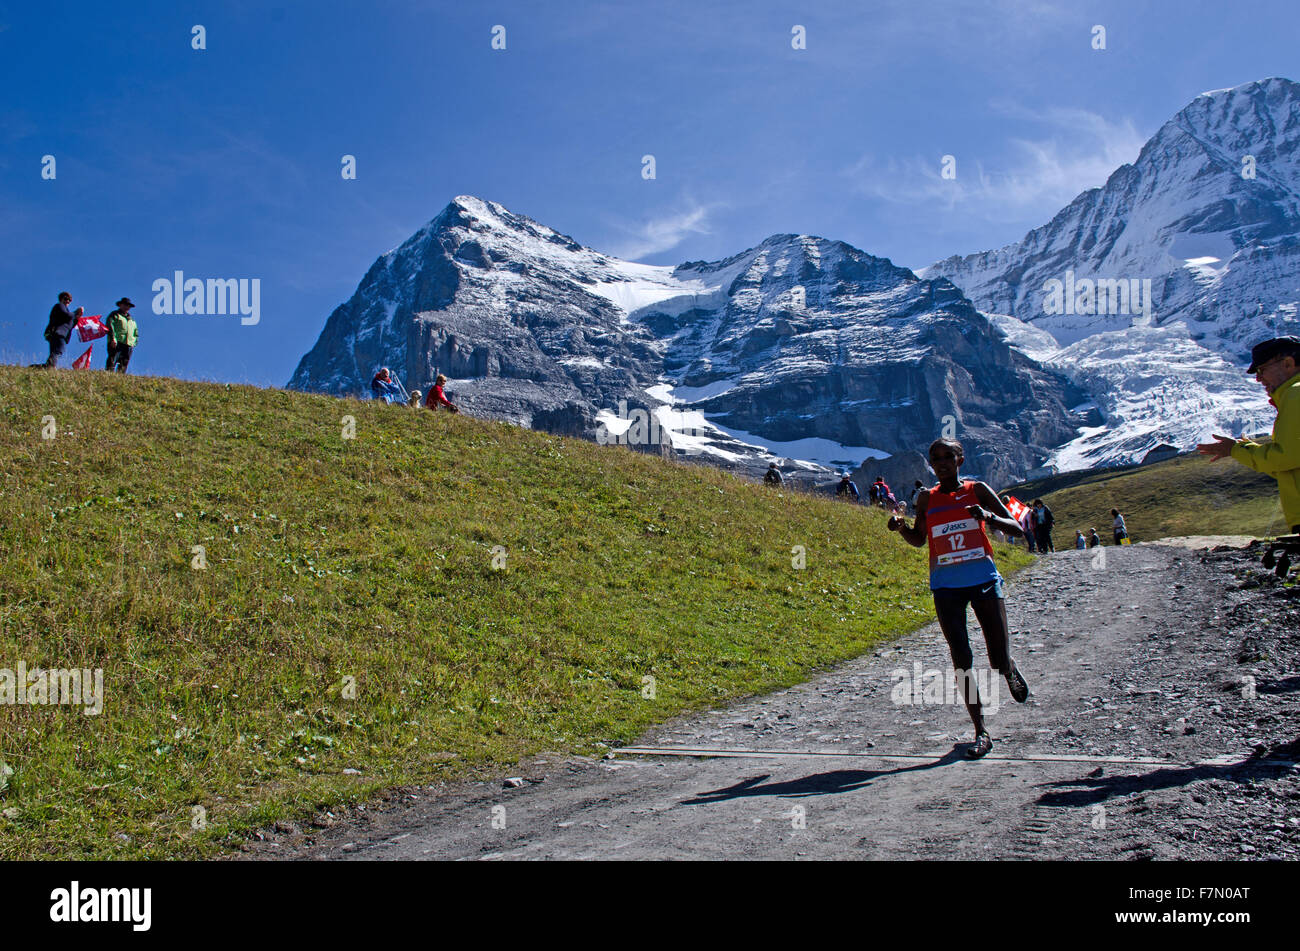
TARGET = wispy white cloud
x,y
662,232
1080,151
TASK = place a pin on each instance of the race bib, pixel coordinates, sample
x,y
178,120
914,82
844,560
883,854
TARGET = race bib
x,y
955,541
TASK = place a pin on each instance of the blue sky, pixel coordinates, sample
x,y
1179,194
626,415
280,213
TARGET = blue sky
x,y
225,162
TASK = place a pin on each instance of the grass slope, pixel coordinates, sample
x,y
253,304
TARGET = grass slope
x,y
1188,495
372,558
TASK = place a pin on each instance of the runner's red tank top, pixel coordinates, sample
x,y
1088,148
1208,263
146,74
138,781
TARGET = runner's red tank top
x,y
954,537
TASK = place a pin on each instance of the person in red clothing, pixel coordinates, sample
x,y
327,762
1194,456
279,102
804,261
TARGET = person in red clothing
x,y
437,396
884,494
951,517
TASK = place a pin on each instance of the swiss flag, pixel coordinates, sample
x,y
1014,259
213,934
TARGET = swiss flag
x,y
83,362
91,327
1017,508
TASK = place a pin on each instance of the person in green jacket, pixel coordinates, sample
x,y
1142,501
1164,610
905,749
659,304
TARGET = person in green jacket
x,y
122,336
1276,364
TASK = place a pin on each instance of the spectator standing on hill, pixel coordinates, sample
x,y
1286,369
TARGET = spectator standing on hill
x,y
1093,538
846,488
916,490
882,491
1118,526
1079,541
438,398
123,335
1043,522
773,475
873,493
59,329
1276,365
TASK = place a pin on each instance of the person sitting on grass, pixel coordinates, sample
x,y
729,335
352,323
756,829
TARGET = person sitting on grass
x,y
384,387
438,398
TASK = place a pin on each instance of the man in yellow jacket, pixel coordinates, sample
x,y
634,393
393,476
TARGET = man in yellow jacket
x,y
1276,364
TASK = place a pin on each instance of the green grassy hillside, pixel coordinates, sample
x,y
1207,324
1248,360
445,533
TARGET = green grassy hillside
x,y
369,561
1188,495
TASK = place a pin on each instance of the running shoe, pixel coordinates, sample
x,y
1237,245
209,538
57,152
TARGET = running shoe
x,y
1019,689
983,743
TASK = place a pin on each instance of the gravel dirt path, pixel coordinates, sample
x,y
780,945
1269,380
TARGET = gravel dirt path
x,y
1163,724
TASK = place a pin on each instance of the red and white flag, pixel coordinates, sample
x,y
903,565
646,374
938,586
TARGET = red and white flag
x,y
83,362
1017,508
91,327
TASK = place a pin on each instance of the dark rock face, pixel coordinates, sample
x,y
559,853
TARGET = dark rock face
x,y
807,347
873,358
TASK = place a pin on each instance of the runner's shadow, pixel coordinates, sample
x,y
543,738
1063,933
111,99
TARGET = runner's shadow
x,y
821,784
1095,790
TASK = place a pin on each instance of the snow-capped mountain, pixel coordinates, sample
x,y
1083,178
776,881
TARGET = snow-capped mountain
x,y
800,348
1155,285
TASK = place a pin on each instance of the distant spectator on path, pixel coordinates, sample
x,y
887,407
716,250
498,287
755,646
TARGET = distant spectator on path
x,y
773,475
1079,541
1043,522
1093,538
59,329
123,335
1120,529
438,398
1276,365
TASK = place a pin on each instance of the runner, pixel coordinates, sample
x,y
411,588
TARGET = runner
x,y
951,517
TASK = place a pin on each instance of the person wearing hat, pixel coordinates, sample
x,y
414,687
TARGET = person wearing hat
x,y
1276,365
773,475
122,336
847,488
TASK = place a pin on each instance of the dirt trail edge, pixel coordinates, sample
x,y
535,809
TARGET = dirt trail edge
x,y
1163,724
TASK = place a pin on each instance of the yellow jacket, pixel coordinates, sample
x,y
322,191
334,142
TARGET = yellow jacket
x,y
1280,456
